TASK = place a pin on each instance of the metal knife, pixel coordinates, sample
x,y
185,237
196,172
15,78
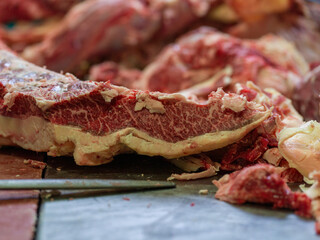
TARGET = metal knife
x,y
14,184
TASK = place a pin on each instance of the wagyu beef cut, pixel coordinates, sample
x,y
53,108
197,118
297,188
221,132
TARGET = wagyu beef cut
x,y
44,111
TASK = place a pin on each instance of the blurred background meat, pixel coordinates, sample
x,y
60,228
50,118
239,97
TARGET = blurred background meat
x,y
11,10
206,59
297,22
306,98
110,71
23,33
101,27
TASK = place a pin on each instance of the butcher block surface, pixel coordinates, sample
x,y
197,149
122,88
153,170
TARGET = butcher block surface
x,y
180,213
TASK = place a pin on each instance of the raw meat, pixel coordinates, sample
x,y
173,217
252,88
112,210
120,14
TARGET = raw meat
x,y
45,111
306,97
93,28
192,165
100,27
117,75
313,192
251,10
300,146
205,55
298,26
252,148
261,183
247,151
11,10
24,34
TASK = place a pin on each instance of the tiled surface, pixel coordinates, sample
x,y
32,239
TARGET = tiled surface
x,y
18,209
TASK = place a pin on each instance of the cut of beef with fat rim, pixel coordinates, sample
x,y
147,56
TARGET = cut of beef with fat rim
x,y
44,111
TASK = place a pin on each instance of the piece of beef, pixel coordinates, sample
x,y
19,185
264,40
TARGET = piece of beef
x,y
302,31
11,10
207,57
93,28
261,144
101,27
45,111
261,183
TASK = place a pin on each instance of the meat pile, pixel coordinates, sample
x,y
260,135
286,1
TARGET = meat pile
x,y
172,79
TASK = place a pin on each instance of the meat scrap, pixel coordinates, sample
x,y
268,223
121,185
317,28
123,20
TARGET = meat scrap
x,y
261,183
44,111
35,164
247,151
192,165
259,144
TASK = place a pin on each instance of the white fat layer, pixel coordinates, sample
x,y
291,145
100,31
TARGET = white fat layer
x,y
235,103
300,146
145,101
109,94
211,171
8,99
44,104
272,156
34,133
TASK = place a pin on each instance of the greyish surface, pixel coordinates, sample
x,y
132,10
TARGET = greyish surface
x,y
179,213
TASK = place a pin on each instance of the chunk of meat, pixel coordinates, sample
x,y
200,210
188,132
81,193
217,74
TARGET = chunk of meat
x,y
100,27
93,28
45,111
204,55
261,183
302,31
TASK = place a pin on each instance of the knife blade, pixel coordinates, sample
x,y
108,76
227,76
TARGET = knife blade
x,y
23,184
